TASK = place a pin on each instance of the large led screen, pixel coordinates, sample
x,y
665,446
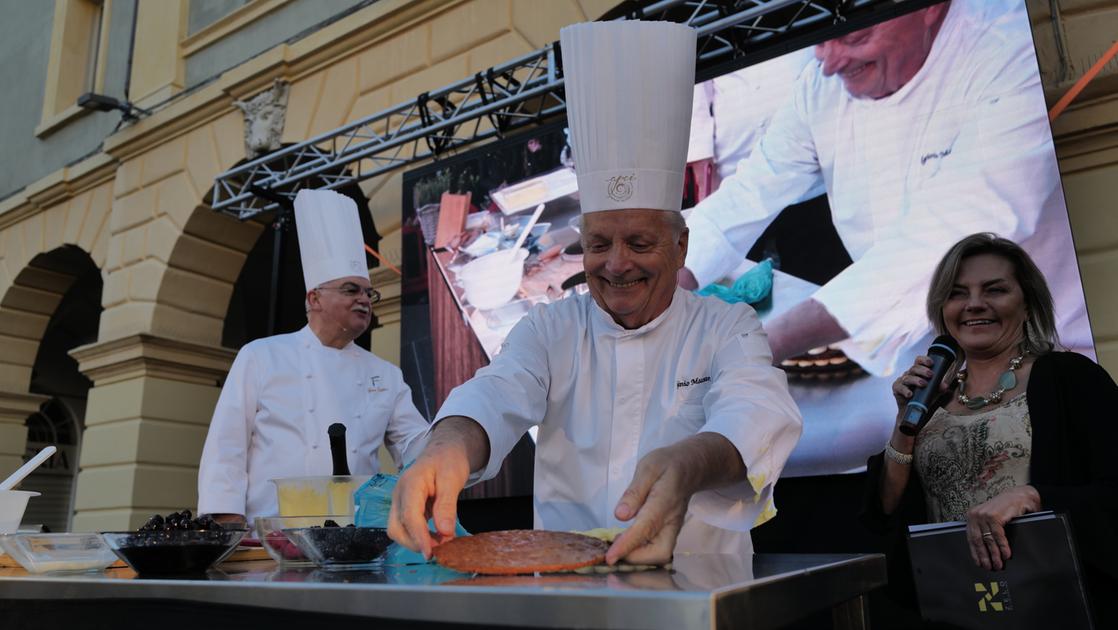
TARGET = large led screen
x,y
852,165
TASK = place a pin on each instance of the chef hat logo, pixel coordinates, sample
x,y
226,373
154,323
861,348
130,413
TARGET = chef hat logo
x,y
620,187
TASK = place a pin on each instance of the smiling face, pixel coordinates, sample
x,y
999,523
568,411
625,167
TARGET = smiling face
x,y
879,60
985,311
631,258
343,303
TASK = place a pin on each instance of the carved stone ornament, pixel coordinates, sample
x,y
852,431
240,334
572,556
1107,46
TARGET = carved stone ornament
x,y
264,117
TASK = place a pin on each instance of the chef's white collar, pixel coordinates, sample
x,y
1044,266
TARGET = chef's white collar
x,y
311,340
610,327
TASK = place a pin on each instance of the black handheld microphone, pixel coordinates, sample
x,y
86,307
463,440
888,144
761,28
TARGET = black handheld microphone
x,y
942,352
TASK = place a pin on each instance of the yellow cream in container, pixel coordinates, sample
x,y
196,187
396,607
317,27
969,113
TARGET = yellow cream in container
x,y
325,495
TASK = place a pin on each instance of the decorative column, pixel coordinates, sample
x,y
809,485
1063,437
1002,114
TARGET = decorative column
x,y
146,421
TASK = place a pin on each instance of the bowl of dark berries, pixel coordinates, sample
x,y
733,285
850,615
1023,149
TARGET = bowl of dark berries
x,y
337,548
174,545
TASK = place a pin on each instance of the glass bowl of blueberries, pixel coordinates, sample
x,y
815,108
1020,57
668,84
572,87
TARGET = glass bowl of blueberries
x,y
175,545
336,548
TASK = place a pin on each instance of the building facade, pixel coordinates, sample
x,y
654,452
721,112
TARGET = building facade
x,y
81,195
118,283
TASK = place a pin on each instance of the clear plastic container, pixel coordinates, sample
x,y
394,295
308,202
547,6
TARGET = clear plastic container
x,y
300,496
58,553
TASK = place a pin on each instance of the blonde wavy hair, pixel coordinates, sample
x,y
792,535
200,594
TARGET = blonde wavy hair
x,y
1039,334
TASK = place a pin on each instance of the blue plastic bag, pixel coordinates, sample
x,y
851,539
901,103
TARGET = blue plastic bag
x,y
752,287
373,502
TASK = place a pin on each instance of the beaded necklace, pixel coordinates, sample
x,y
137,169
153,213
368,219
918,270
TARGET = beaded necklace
x,y
1006,382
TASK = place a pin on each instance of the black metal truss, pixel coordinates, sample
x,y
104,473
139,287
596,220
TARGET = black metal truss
x,y
524,91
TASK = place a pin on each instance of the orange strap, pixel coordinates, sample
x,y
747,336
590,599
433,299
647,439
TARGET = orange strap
x,y
383,261
1066,99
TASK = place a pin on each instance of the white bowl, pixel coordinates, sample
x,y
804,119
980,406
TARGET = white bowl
x,y
12,505
493,279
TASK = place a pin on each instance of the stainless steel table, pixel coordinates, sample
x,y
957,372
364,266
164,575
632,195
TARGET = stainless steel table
x,y
700,591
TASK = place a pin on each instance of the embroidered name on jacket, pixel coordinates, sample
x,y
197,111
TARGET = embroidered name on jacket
x,y
934,155
694,381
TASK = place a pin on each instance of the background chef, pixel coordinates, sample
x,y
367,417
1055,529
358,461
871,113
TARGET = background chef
x,y
284,391
654,406
922,129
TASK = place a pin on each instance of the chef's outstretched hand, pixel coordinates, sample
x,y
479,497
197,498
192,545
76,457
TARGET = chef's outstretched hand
x,y
429,488
656,500
656,503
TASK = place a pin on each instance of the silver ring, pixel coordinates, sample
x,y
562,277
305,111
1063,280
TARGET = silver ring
x,y
987,534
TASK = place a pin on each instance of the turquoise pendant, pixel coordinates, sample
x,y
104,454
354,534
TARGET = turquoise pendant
x,y
1007,381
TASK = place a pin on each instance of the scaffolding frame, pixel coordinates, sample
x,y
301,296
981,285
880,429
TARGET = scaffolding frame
x,y
523,91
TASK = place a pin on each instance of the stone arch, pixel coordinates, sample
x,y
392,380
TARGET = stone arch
x,y
31,288
50,307
248,312
29,292
172,260
205,262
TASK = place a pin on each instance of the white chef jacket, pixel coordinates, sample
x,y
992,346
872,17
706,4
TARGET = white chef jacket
x,y
281,395
963,147
603,397
724,129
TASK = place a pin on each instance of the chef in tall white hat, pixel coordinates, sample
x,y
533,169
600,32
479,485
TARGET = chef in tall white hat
x,y
656,409
284,391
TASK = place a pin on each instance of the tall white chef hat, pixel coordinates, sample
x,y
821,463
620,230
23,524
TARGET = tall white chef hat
x,y
330,241
629,87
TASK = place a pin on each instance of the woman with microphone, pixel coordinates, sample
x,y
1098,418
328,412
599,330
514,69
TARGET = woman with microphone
x,y
1017,426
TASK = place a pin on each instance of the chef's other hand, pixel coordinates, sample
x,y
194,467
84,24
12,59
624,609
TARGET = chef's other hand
x,y
429,487
662,486
989,547
657,498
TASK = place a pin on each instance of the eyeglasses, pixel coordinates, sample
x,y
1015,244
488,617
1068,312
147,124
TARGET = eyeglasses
x,y
352,291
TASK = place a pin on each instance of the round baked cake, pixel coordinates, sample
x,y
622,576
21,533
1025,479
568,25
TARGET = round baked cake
x,y
520,551
555,580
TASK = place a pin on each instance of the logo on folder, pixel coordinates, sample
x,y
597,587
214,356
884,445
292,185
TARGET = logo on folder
x,y
993,596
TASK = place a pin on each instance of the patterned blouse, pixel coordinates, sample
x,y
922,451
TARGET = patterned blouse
x,y
965,460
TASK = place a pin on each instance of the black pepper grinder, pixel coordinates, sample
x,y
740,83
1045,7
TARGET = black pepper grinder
x,y
337,448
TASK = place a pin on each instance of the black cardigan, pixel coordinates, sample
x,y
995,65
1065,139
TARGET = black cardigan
x,y
1074,467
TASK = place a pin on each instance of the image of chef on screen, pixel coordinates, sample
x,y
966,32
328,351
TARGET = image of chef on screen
x,y
656,409
921,130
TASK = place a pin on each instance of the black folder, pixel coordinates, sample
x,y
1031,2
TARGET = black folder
x,y
1040,587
